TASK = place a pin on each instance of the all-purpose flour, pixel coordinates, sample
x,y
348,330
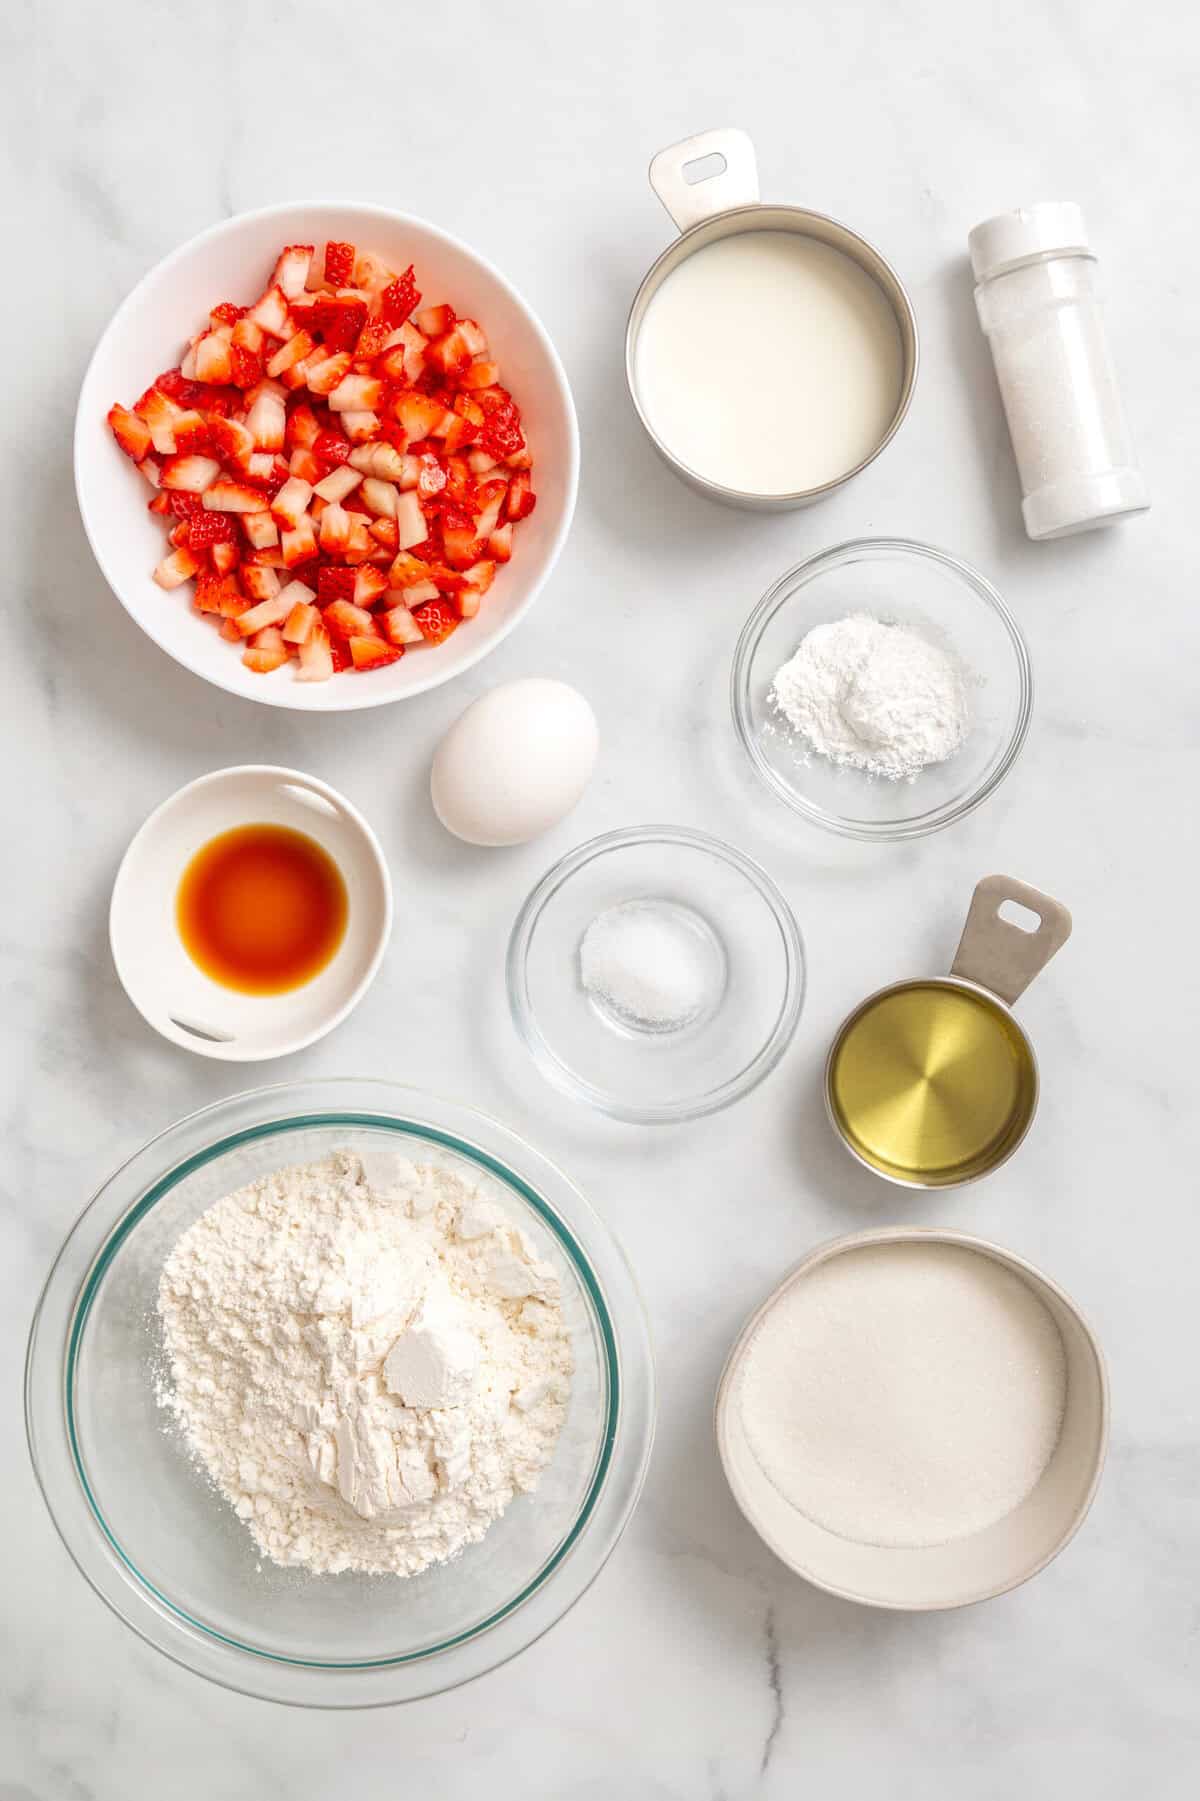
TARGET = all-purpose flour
x,y
874,696
367,1357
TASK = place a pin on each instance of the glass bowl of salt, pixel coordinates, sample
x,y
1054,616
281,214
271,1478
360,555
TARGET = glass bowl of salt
x,y
656,974
882,689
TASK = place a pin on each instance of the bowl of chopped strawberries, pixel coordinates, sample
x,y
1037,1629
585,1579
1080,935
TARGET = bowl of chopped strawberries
x,y
325,456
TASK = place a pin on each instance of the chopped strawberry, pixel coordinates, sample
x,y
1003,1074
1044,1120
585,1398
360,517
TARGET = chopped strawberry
x,y
173,384
347,620
410,521
291,271
369,586
436,619
303,427
461,546
521,499
294,351
381,460
340,319
379,497
304,464
267,652
499,544
400,298
259,583
161,503
246,335
229,631
435,320
266,612
385,532
335,584
300,622
224,556
260,529
372,340
207,529
183,504
356,393
327,374
330,450
299,543
131,433
479,375
372,653
214,359
230,440
227,313
399,626
158,412
362,544
232,497
316,659
339,264
412,597
192,473
192,433
176,569
271,312
220,594
336,527
291,502
359,426
371,273
337,484
502,430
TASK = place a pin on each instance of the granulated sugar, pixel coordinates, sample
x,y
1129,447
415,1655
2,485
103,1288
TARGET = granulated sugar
x,y
905,1394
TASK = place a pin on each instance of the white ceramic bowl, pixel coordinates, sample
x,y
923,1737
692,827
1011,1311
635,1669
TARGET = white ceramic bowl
x,y
964,1570
172,993
232,261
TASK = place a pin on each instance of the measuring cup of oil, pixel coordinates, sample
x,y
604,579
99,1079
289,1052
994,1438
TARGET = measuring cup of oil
x,y
771,352
932,1083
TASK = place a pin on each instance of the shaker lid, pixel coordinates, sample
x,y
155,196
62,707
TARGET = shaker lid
x,y
1014,238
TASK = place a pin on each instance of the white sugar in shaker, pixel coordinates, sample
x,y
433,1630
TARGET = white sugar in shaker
x,y
1038,296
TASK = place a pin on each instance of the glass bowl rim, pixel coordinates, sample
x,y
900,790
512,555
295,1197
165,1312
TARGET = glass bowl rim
x,y
559,1073
781,591
627,1430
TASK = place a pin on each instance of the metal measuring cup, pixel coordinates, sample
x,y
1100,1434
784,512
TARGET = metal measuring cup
x,y
923,1090
724,205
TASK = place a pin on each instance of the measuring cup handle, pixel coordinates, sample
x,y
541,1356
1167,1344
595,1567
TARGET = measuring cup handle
x,y
999,955
734,185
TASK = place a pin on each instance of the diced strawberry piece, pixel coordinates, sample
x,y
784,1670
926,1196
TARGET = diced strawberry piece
x,y
300,543
300,622
521,499
233,497
291,502
435,320
230,440
244,367
369,586
269,556
340,319
372,653
481,575
176,569
337,484
362,544
379,497
356,393
412,597
316,659
266,612
400,298
479,375
449,353
178,534
327,375
370,272
192,433
335,584
436,619
499,544
214,359
418,414
220,594
431,476
399,626
330,450
131,433
192,473
385,533
480,461
411,525
359,426
502,431
403,358
467,602
183,504
177,387
260,529
336,526
519,459
461,546
303,427
229,631
381,460
207,529
291,271
224,557
347,620
339,263
267,652
247,335
149,468
259,583
271,312
158,412
226,313
266,419
294,351
161,503
372,340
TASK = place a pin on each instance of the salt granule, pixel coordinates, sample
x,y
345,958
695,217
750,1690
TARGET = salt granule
x,y
645,964
905,1394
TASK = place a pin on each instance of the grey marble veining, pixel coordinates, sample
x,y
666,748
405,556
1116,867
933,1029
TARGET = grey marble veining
x,y
696,1667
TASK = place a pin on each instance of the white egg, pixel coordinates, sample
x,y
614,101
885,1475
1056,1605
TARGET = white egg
x,y
515,762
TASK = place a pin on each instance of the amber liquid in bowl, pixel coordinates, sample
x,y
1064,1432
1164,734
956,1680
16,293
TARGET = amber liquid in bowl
x,y
261,908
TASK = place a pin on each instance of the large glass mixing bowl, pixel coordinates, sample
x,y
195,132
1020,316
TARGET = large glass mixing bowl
x,y
167,1553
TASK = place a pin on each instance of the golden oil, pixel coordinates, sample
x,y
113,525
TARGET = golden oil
x,y
932,1083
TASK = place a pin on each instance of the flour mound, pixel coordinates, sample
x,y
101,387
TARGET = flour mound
x,y
874,696
367,1357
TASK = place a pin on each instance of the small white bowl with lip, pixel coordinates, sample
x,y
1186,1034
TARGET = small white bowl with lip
x,y
964,1570
231,261
170,991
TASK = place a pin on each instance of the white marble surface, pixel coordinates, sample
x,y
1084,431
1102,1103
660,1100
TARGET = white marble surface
x,y
697,1666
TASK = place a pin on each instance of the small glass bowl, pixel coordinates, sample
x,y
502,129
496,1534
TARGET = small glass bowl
x,y
730,905
897,580
167,1553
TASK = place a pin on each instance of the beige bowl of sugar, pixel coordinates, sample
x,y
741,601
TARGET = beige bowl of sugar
x,y
914,1419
